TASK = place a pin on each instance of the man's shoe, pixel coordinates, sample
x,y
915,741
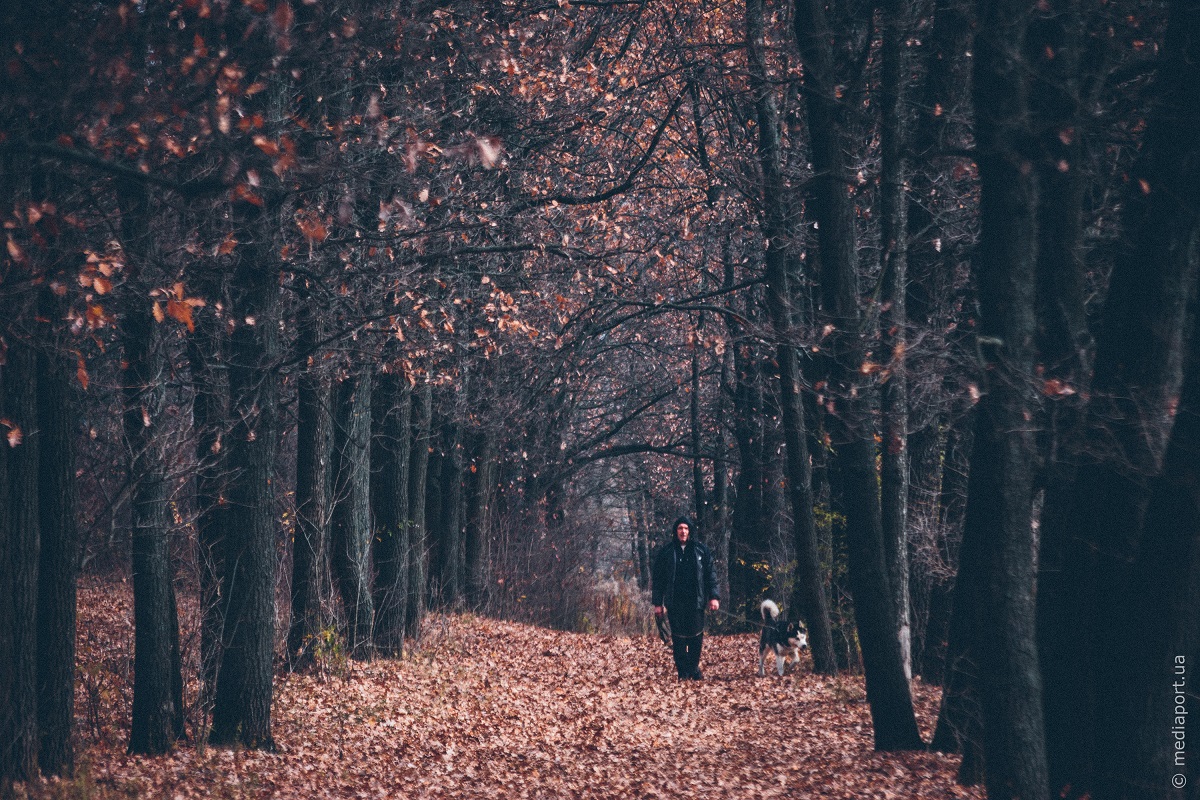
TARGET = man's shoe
x,y
697,675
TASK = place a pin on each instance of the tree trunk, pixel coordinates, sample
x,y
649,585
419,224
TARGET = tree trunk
x,y
1000,492
157,711
18,669
391,449
809,588
699,494
894,401
449,527
875,609
351,533
58,562
242,710
314,464
1146,714
749,522
1134,391
479,521
418,477
926,448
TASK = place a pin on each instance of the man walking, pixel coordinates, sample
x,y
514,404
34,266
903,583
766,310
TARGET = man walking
x,y
683,587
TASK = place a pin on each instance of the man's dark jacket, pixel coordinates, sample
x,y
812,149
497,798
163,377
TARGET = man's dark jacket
x,y
672,558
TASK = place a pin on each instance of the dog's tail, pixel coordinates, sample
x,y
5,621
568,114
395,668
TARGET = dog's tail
x,y
769,611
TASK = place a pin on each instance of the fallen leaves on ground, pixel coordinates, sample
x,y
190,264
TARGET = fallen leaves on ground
x,y
486,708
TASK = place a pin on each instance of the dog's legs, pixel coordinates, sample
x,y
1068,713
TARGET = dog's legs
x,y
779,663
762,657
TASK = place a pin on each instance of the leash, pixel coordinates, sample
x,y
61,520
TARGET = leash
x,y
664,625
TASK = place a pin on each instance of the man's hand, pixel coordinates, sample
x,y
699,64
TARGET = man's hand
x,y
714,604
660,610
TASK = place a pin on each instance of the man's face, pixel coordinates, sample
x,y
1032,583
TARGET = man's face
x,y
682,532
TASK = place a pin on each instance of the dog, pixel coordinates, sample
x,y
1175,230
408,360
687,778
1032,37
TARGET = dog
x,y
780,636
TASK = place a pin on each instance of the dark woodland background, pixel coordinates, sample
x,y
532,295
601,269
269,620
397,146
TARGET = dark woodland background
x,y
329,313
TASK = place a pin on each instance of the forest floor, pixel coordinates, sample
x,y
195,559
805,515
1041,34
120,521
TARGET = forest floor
x,y
496,709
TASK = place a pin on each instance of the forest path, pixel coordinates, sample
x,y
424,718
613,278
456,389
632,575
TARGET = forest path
x,y
497,709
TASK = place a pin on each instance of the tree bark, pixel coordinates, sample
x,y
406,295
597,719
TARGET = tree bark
x,y
351,532
210,416
809,588
450,515
894,399
1000,491
157,710
418,478
18,670
392,450
58,563
314,464
875,609
480,517
1134,391
242,710
1148,705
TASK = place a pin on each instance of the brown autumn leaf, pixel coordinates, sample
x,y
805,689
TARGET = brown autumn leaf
x,y
181,312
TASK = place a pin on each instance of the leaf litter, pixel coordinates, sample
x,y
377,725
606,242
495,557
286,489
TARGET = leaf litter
x,y
492,709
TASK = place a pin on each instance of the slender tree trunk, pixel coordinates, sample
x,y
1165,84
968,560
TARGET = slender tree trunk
x,y
875,609
351,533
479,520
894,401
392,449
210,416
809,591
699,495
450,516
314,464
157,711
926,448
417,575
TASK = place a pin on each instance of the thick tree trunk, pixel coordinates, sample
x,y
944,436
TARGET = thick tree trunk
x,y
391,449
1134,392
242,710
1000,493
351,534
418,478
875,609
314,468
58,563
18,669
1146,710
809,588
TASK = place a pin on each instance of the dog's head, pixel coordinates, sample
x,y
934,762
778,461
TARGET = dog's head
x,y
797,635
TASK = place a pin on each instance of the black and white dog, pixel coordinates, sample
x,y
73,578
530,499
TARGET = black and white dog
x,y
780,636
